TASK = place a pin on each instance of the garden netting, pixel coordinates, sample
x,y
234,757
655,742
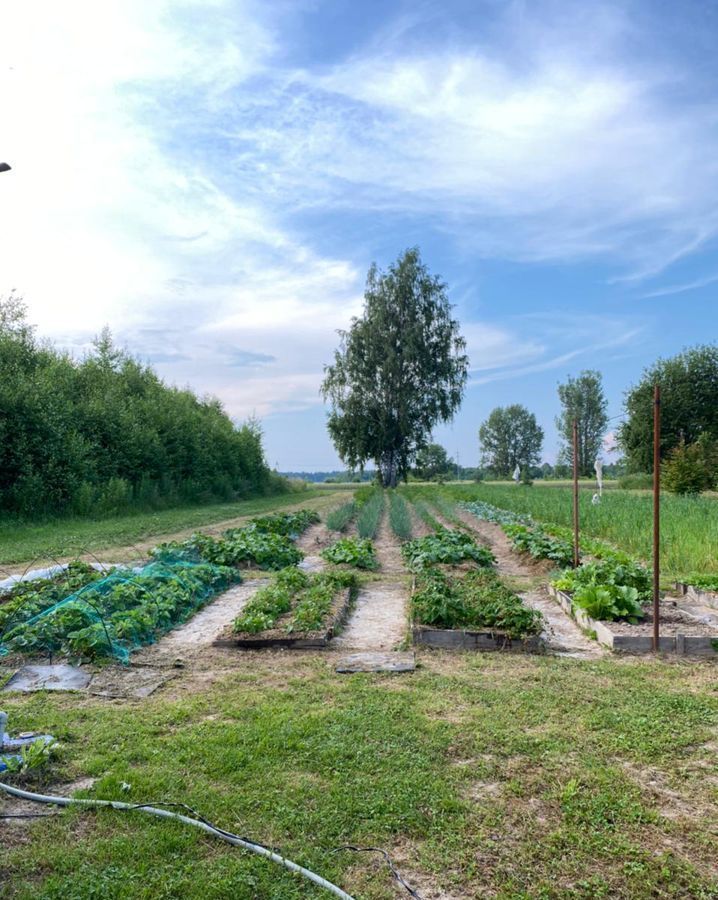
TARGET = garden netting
x,y
112,615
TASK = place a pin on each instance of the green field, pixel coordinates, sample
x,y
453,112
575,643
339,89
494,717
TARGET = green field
x,y
689,526
69,537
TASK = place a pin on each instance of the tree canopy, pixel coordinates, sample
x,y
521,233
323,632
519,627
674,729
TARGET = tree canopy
x,y
432,461
105,433
689,388
510,437
400,370
583,399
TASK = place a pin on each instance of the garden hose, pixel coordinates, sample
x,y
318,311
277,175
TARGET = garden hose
x,y
187,820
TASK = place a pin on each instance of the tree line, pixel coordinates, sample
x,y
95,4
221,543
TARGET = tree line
x,y
401,369
105,434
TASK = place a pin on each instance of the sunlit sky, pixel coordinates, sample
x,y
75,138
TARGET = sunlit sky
x,y
212,180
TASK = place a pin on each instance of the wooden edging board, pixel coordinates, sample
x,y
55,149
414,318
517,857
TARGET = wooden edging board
x,y
463,639
315,641
680,644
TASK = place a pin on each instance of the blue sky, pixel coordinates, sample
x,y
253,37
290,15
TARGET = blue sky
x,y
213,180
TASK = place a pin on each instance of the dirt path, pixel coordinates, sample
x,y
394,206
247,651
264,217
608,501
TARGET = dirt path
x,y
203,628
562,635
379,620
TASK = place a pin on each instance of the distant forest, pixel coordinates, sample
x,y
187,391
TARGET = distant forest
x,y
104,434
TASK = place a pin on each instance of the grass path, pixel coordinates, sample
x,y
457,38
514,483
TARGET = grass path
x,y
484,775
120,539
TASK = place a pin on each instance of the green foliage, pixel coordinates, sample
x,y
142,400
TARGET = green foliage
x,y
510,437
338,519
30,758
400,370
638,481
399,516
690,468
477,600
432,461
583,399
29,598
352,552
370,514
445,547
104,435
609,602
490,513
267,542
309,598
688,405
539,544
111,616
702,582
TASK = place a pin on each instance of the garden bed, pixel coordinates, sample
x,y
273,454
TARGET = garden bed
x,y
680,633
465,639
295,611
698,595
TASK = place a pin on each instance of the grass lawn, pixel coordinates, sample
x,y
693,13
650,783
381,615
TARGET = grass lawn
x,y
484,775
21,543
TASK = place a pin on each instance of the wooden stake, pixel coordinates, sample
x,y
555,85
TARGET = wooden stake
x,y
656,514
576,555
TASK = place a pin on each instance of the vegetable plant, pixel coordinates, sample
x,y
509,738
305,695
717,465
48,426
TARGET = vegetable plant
x,y
352,552
445,546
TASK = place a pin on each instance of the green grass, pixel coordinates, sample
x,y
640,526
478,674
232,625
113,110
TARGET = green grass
x,y
399,516
483,775
68,537
370,513
689,526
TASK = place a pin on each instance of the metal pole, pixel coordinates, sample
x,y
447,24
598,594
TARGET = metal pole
x,y
656,513
576,557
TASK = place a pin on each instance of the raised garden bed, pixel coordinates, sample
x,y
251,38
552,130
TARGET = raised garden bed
x,y
701,596
474,612
465,639
278,617
680,633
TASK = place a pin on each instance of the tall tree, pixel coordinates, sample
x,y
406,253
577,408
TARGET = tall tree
x,y
400,370
431,461
510,437
582,399
689,387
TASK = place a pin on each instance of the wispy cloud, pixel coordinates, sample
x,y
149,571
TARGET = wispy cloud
x,y
682,288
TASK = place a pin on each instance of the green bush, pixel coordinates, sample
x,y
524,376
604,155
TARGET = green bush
x,y
690,468
637,482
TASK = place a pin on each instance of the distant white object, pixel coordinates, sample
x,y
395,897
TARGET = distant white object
x,y
598,466
517,474
596,499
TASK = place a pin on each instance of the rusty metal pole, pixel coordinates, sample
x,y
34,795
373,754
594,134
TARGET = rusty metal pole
x,y
576,555
656,514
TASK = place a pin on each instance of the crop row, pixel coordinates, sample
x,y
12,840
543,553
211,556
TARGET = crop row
x,y
295,602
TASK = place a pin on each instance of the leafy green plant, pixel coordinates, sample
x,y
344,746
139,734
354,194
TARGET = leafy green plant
x,y
609,602
533,540
478,600
702,582
447,547
607,574
309,599
352,552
